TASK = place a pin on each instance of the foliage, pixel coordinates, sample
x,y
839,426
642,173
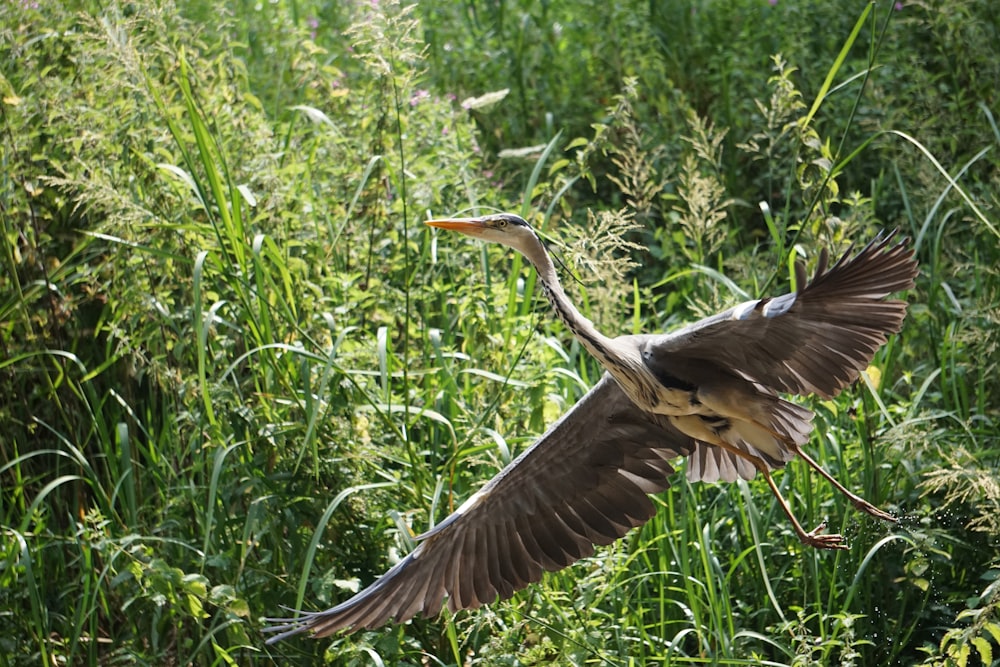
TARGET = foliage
x,y
976,640
237,374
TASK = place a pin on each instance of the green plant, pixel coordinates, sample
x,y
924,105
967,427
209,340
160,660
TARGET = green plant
x,y
236,373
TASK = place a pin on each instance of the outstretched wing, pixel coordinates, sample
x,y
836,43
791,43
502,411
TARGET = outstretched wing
x,y
814,341
584,482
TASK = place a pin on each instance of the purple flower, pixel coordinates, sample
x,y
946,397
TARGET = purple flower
x,y
418,96
772,2
898,6
313,23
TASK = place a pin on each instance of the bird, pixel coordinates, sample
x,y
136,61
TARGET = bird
x,y
709,391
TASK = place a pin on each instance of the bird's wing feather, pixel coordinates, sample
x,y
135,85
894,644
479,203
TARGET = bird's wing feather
x,y
813,341
584,482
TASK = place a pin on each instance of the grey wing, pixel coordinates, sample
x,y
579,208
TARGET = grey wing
x,y
814,341
584,482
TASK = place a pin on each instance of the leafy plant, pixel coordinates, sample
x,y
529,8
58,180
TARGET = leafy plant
x,y
237,373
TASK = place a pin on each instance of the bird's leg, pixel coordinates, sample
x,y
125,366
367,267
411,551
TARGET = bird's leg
x,y
859,503
814,538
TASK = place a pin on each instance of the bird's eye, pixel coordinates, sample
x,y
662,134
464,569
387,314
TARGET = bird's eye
x,y
501,223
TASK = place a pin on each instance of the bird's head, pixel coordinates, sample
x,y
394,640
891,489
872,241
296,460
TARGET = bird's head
x,y
506,228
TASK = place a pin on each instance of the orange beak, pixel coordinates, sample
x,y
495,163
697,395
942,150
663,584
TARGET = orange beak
x,y
469,226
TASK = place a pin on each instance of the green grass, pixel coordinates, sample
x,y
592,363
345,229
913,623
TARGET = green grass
x,y
238,373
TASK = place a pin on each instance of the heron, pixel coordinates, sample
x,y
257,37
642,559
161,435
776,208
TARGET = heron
x,y
709,391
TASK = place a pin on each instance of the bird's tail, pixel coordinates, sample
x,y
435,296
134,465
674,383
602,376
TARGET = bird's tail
x,y
769,441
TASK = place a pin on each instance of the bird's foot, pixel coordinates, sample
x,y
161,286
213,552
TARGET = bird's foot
x,y
864,506
817,539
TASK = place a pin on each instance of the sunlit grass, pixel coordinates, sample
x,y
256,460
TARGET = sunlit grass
x,y
239,374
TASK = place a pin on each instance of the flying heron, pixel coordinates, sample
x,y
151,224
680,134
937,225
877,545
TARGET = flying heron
x,y
708,391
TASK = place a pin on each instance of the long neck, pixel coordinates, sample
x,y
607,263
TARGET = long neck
x,y
596,343
629,371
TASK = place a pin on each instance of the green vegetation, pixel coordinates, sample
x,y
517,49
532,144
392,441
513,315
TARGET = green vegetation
x,y
237,371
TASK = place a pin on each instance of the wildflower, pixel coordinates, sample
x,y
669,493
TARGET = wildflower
x,y
418,96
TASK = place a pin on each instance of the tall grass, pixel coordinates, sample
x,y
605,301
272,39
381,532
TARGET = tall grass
x,y
238,374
